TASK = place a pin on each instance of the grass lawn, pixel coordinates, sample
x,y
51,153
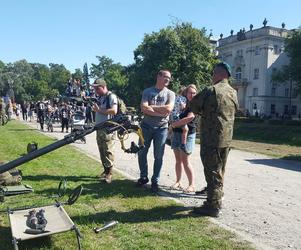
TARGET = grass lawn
x,y
275,140
146,221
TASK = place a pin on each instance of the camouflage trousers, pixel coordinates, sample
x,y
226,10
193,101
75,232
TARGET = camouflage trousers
x,y
214,161
105,143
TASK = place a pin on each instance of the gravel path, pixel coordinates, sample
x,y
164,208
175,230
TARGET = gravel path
x,y
262,195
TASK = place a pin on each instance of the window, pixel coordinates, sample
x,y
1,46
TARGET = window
x,y
294,110
273,109
285,109
256,73
275,49
255,92
273,92
257,50
295,93
238,73
286,92
239,52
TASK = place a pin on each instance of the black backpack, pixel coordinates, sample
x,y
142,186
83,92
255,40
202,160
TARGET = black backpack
x,y
121,107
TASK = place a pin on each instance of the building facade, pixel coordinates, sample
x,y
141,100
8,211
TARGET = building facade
x,y
254,55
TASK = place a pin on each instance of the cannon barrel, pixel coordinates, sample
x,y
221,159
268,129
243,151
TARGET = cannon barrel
x,y
111,125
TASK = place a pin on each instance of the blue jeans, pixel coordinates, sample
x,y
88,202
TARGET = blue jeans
x,y
158,135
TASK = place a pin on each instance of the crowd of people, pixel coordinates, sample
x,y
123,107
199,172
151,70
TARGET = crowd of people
x,y
164,111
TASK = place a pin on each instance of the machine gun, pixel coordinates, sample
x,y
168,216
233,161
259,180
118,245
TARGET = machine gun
x,y
120,123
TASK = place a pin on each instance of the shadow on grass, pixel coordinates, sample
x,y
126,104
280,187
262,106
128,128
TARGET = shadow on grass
x,y
278,163
91,186
162,213
36,243
23,129
58,178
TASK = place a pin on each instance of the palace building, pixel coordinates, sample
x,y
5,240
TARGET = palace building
x,y
254,55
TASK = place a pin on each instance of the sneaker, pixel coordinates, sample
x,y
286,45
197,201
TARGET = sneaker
x,y
205,210
108,178
154,187
202,192
142,181
184,148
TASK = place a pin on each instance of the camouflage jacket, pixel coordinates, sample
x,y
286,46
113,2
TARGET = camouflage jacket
x,y
217,105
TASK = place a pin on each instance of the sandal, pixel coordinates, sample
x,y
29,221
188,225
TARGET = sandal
x,y
189,190
176,186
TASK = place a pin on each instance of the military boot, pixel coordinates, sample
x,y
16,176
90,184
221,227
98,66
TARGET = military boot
x,y
206,210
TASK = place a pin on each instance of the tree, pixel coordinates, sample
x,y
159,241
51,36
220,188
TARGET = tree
x,y
86,74
99,70
182,49
292,71
293,49
113,73
59,77
13,79
78,74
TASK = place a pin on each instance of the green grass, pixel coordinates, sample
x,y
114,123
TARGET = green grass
x,y
268,133
146,221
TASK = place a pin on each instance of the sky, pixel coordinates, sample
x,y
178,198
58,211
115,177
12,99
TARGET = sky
x,y
74,32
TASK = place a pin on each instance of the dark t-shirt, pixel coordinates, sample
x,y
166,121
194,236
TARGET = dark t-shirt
x,y
191,125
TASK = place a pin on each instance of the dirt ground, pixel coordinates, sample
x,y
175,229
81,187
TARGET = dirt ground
x,y
262,194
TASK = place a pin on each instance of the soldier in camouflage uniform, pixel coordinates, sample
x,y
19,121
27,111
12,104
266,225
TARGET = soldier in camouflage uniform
x,y
105,108
217,105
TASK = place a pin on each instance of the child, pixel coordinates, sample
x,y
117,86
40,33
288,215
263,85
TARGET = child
x,y
180,105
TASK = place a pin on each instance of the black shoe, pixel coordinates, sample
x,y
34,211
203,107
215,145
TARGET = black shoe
x,y
202,192
205,210
154,187
142,181
184,148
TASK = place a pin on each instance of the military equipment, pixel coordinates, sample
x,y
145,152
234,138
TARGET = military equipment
x,y
32,146
105,226
120,123
36,221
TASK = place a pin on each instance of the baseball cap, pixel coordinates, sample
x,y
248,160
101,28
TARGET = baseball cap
x,y
99,82
226,66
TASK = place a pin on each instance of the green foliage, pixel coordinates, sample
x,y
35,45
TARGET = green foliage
x,y
59,77
86,74
25,81
78,74
292,71
293,49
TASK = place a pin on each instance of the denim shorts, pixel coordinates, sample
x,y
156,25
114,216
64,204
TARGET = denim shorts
x,y
176,141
